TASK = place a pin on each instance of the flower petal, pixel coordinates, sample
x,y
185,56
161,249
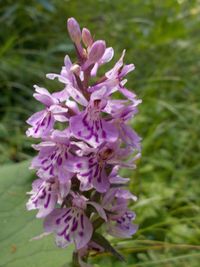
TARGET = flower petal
x,y
99,209
70,225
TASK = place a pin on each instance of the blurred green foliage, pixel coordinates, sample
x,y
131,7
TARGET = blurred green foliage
x,y
162,39
18,226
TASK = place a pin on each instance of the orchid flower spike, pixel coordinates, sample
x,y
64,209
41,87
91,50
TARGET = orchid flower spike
x,y
78,187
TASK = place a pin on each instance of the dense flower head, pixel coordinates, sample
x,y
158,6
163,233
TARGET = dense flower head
x,y
79,188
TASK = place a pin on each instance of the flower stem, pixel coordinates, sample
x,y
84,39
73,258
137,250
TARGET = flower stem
x,y
75,262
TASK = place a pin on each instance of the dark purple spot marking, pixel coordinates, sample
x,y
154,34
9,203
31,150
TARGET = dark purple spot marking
x,y
66,155
97,125
103,134
86,174
96,171
51,170
96,137
58,221
43,194
47,167
81,234
44,160
59,160
37,128
68,218
64,231
66,213
48,201
75,226
43,121
53,155
49,119
91,160
67,237
79,165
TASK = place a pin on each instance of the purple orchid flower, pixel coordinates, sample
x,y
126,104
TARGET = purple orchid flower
x,y
69,75
119,222
93,167
78,163
113,79
107,57
45,195
71,224
89,124
42,122
123,227
122,115
54,157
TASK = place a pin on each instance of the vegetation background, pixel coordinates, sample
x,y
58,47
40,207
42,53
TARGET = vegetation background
x,y
162,39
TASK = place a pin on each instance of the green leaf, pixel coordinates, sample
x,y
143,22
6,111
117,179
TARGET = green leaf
x,y
102,241
18,226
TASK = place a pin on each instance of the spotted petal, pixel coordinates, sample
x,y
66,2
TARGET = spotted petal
x,y
44,197
71,225
123,227
42,123
92,131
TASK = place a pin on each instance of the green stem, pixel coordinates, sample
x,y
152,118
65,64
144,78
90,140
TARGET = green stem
x,y
75,262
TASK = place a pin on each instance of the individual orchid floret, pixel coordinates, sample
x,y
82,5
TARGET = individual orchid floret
x,y
71,76
120,70
72,224
115,201
45,195
113,79
42,122
115,179
89,124
93,169
107,56
54,155
119,223
122,115
123,227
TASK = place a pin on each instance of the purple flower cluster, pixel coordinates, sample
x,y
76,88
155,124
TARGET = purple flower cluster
x,y
79,187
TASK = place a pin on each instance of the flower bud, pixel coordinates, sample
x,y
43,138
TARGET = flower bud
x,y
96,52
87,37
74,30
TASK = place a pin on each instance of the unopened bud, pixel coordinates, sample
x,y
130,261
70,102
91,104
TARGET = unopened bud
x,y
74,30
87,37
96,52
